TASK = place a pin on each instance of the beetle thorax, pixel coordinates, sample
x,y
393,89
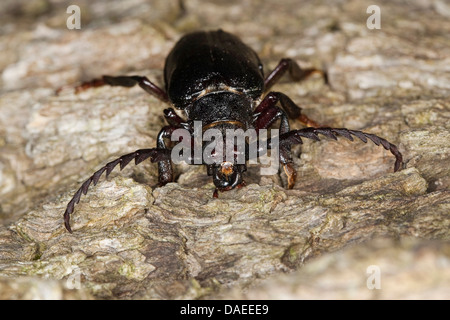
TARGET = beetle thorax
x,y
222,106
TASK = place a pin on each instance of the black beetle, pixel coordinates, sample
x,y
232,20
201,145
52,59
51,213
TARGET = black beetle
x,y
216,79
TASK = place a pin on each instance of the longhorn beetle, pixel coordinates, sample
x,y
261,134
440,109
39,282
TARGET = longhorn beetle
x,y
215,78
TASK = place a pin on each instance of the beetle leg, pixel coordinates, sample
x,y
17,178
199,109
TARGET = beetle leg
x,y
267,113
291,174
175,122
296,73
293,111
124,81
165,169
155,155
173,118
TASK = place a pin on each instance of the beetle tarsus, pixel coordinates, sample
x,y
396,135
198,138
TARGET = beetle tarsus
x,y
291,174
303,119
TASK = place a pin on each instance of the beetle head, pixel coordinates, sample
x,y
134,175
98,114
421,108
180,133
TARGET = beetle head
x,y
227,176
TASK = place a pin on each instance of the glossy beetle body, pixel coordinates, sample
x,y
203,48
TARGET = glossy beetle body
x,y
217,80
214,61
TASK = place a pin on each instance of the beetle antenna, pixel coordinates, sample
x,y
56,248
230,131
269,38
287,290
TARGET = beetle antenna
x,y
155,155
294,137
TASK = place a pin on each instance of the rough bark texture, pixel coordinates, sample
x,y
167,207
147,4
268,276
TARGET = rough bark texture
x,y
133,239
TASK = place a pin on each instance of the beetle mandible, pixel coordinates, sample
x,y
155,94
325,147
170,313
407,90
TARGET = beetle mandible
x,y
215,78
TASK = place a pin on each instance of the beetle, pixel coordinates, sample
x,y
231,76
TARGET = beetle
x,y
213,77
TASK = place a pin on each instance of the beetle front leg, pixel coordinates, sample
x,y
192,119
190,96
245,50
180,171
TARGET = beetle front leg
x,y
295,71
165,168
293,111
173,119
266,114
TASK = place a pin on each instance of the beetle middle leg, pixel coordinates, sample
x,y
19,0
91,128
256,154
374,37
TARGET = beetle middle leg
x,y
297,74
124,81
295,71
